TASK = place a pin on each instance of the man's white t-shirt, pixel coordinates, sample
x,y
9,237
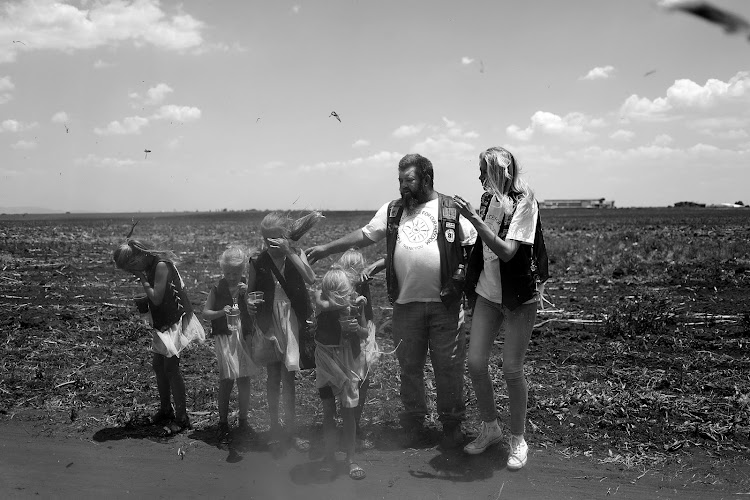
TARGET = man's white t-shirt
x,y
416,258
522,228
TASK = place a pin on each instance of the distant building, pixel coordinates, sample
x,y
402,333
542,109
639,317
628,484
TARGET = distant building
x,y
579,203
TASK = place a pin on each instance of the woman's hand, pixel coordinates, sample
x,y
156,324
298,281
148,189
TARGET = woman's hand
x,y
227,309
464,207
242,286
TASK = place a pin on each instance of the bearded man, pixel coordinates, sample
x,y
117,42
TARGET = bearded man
x,y
426,244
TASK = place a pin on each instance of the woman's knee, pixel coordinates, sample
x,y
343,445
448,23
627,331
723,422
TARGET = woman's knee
x,y
477,366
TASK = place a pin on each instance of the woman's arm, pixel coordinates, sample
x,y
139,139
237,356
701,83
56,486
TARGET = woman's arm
x,y
505,249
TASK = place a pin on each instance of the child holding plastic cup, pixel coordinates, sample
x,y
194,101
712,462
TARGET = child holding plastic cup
x,y
223,307
340,362
174,324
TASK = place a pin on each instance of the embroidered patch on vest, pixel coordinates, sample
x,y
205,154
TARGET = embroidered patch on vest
x,y
449,213
394,212
450,235
450,224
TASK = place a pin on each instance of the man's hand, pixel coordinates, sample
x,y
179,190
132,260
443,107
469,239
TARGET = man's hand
x,y
314,254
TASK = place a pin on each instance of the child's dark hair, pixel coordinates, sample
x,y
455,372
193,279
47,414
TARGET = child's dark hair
x,y
124,254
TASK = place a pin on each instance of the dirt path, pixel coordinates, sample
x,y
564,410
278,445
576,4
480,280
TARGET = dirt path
x,y
36,461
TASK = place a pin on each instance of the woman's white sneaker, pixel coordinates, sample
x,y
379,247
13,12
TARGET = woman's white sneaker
x,y
519,452
488,435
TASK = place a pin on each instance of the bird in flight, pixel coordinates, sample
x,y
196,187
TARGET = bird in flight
x,y
481,66
335,115
67,131
648,73
18,41
731,22
147,151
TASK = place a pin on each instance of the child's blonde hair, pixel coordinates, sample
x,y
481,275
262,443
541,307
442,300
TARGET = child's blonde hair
x,y
353,262
233,257
125,255
292,229
336,287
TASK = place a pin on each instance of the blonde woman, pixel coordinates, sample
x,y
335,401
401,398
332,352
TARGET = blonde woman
x,y
505,276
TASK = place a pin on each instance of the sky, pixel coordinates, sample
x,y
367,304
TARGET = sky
x,y
616,99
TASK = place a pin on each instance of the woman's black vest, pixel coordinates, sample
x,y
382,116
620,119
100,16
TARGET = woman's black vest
x,y
521,274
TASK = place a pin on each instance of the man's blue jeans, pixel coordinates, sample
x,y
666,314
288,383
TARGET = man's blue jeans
x,y
420,326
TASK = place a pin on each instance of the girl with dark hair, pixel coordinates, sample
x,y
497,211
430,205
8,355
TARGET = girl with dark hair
x,y
174,324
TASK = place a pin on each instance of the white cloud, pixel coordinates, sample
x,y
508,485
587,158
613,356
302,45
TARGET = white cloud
x,y
622,135
100,64
442,144
60,117
93,160
383,158
129,125
571,126
272,165
663,140
177,113
599,73
296,9
408,130
48,25
466,60
11,125
24,145
6,86
134,124
155,95
685,95
732,134
359,143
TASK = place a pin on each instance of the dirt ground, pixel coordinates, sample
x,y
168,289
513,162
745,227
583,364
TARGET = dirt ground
x,y
638,372
41,457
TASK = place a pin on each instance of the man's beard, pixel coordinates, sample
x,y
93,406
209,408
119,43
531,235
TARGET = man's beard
x,y
413,199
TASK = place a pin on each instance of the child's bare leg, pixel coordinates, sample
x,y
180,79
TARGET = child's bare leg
x,y
289,394
350,431
329,423
225,391
273,392
177,386
243,396
162,384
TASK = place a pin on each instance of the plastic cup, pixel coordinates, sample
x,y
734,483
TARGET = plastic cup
x,y
142,304
256,299
233,319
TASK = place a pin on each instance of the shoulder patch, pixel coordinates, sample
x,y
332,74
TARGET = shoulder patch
x,y
450,235
449,213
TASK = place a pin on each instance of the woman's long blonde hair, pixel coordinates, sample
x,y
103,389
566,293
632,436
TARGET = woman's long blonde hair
x,y
504,178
